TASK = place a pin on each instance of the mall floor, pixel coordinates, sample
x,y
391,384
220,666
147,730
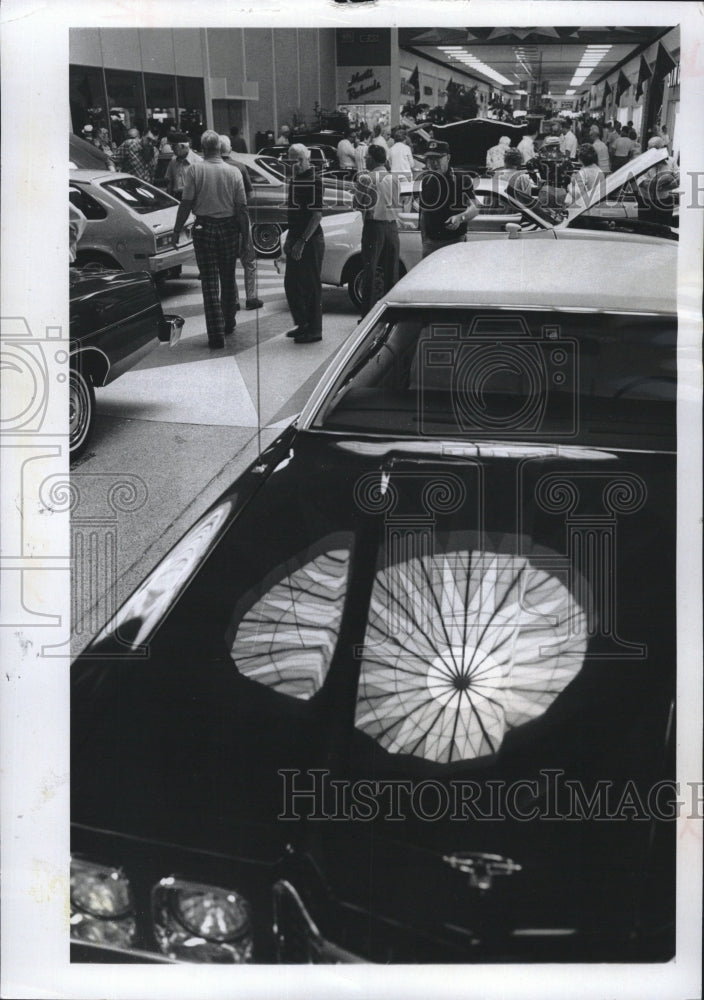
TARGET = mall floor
x,y
184,423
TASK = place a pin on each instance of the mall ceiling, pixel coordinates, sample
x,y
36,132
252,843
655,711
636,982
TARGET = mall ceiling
x,y
570,60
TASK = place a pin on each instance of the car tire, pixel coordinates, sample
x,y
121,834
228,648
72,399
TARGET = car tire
x,y
81,413
355,286
266,238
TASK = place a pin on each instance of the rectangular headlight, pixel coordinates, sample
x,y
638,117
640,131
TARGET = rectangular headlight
x,y
163,242
201,923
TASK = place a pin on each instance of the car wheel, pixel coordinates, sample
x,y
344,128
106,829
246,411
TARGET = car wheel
x,y
81,411
266,238
355,287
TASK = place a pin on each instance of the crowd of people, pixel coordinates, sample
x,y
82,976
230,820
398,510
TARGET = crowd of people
x,y
215,187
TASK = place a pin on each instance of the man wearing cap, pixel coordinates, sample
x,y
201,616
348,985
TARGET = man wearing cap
x,y
215,193
182,159
376,196
447,201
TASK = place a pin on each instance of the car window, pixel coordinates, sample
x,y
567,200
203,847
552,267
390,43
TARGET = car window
x,y
583,378
91,208
141,197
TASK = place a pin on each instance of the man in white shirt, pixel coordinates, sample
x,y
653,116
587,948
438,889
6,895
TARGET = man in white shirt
x,y
602,150
495,155
526,147
380,139
401,156
568,141
346,157
376,196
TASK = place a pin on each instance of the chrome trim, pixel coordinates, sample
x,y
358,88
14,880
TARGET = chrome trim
x,y
481,868
339,361
77,349
319,947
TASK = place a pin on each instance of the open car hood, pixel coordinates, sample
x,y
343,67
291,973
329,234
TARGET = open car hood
x,y
631,171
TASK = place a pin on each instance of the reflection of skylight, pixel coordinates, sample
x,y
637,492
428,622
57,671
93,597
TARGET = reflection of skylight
x,y
591,57
568,93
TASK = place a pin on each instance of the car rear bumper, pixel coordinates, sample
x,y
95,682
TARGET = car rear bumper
x,y
170,258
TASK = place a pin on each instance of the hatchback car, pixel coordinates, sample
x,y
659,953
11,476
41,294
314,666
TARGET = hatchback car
x,y
403,693
130,224
616,212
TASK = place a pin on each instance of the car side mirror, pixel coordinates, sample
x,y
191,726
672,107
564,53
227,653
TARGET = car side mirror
x,y
513,230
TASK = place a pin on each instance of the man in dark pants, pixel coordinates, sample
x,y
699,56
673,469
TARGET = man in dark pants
x,y
215,193
447,201
376,197
304,248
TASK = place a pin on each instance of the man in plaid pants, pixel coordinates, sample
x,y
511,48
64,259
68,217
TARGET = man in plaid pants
x,y
215,193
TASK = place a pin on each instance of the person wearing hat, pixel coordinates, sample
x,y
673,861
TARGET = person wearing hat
x,y
495,155
183,157
446,200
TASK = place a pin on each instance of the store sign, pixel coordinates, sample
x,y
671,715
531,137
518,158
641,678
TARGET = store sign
x,y
363,84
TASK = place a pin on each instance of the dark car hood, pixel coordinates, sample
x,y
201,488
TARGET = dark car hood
x,y
304,593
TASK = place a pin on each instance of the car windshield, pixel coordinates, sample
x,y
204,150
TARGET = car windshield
x,y
138,195
575,378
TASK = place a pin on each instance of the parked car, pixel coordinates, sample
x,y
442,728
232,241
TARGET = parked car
x,y
615,213
323,158
268,206
394,696
115,320
130,224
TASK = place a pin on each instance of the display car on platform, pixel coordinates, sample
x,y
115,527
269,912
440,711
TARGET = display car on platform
x,y
129,224
115,320
614,212
405,692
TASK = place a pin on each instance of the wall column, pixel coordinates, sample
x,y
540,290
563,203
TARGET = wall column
x,y
395,85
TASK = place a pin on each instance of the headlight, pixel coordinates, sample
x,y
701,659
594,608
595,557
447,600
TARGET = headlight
x,y
163,242
102,907
201,923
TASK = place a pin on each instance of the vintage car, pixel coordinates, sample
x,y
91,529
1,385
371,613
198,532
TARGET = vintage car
x,y
471,139
130,224
115,320
616,211
322,157
405,692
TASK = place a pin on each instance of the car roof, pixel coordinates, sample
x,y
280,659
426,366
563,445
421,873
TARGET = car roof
x,y
574,274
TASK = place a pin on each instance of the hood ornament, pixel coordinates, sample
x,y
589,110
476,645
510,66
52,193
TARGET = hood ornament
x,y
481,868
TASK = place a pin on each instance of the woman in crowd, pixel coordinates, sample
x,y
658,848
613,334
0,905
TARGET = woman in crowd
x,y
587,183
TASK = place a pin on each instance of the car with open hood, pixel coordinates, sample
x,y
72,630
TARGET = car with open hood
x,y
405,692
613,212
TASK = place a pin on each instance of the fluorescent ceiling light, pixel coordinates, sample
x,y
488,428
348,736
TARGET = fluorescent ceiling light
x,y
568,93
